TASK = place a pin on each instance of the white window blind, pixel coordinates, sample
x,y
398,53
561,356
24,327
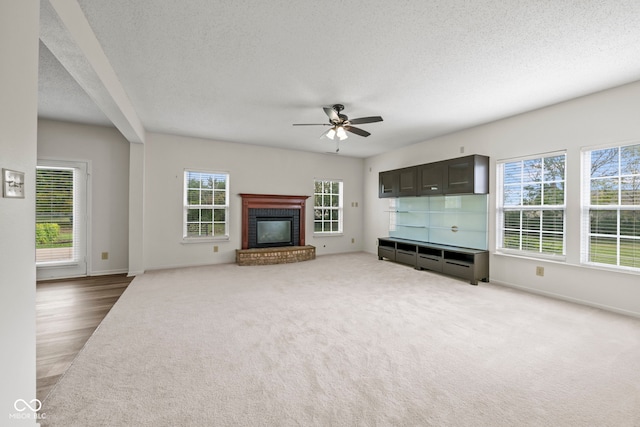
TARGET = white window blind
x,y
531,205
57,222
206,205
611,207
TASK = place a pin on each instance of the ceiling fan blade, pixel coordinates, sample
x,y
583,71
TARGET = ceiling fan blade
x,y
311,124
357,131
331,113
363,120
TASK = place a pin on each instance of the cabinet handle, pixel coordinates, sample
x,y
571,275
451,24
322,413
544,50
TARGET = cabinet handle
x,y
434,188
454,228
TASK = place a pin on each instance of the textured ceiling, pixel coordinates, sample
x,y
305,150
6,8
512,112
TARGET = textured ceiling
x,y
244,71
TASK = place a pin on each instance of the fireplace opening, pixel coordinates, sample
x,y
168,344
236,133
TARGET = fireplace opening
x,y
274,231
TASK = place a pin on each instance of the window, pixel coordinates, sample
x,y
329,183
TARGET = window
x,y
206,205
611,207
327,207
531,205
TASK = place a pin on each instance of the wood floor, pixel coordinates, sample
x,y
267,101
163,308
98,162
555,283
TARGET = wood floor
x,y
67,313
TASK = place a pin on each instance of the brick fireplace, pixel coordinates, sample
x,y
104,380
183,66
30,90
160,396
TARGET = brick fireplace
x,y
273,230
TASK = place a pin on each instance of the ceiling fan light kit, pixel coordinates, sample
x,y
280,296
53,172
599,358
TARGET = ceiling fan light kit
x,y
340,123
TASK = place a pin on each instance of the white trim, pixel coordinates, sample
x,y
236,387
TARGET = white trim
x,y
586,207
614,144
191,240
81,267
339,208
185,207
108,272
135,273
560,259
501,209
533,156
565,298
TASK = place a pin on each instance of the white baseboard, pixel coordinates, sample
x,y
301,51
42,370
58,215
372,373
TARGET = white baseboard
x,y
134,273
106,272
566,298
172,266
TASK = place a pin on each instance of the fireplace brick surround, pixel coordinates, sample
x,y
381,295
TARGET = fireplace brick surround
x,y
264,203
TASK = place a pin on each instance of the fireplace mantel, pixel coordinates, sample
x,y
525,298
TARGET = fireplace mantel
x,y
271,201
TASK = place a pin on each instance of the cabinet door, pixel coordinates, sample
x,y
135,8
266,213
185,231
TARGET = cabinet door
x,y
459,175
388,184
407,181
430,177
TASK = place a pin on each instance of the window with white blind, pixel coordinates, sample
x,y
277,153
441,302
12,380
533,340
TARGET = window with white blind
x,y
327,207
531,206
611,207
206,205
60,218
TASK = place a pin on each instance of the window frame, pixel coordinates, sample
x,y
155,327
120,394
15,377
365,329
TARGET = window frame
x,y
586,206
186,238
522,207
338,209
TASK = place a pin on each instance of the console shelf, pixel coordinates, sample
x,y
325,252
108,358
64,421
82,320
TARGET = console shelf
x,y
468,264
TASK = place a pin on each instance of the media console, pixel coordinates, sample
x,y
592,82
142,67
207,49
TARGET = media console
x,y
469,264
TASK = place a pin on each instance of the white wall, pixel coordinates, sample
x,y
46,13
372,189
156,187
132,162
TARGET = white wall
x,y
252,169
107,154
605,117
19,30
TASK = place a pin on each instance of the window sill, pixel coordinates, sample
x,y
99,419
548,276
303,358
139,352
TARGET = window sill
x,y
560,259
54,264
612,268
189,241
328,234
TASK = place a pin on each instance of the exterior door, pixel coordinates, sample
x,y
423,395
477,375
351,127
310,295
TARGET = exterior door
x,y
61,225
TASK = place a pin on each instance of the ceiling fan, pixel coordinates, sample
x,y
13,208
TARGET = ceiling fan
x,y
340,123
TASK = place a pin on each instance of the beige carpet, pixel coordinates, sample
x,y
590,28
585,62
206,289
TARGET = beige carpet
x,y
347,340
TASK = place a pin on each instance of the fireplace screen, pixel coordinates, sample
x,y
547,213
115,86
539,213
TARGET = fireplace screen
x,y
274,232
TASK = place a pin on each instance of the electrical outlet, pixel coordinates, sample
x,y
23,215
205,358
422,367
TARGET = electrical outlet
x,y
540,271
215,249
353,240
462,149
105,255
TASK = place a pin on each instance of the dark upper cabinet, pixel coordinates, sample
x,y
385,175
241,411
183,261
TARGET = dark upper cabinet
x,y
464,175
430,179
398,183
407,181
467,175
388,184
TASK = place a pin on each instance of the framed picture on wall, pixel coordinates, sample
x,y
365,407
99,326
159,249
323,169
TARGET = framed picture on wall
x,y
12,183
